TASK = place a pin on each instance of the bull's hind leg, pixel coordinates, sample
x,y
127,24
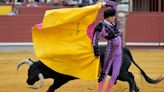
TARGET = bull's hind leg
x,y
130,80
133,82
126,76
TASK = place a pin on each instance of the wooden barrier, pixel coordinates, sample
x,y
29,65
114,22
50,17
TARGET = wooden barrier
x,y
36,10
17,28
145,29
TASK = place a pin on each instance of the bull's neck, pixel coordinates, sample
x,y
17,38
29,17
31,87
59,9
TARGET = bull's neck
x,y
46,71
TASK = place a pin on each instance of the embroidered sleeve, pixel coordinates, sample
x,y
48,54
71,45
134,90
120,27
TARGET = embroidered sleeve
x,y
96,35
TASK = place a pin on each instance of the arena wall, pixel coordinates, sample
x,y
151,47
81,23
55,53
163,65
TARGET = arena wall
x,y
145,29
142,29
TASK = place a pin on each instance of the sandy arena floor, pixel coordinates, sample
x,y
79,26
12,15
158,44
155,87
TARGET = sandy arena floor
x,y
152,61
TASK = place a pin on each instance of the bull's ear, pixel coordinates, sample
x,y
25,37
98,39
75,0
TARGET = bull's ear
x,y
31,60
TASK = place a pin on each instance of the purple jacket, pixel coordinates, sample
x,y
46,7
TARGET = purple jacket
x,y
106,30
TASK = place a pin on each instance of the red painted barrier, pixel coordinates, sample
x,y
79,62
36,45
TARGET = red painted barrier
x,y
36,10
145,28
17,28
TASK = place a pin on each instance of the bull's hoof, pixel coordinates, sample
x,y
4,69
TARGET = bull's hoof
x,y
50,90
137,90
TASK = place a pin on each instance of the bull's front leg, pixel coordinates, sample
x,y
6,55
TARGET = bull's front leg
x,y
56,84
52,88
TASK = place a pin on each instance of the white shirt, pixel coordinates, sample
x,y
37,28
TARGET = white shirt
x,y
108,22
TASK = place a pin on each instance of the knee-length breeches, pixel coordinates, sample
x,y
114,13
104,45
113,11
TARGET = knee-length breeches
x,y
113,57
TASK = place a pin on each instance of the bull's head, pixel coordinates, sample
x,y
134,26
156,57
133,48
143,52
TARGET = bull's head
x,y
33,73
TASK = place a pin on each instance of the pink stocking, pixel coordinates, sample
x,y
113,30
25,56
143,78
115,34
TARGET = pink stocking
x,y
101,84
109,87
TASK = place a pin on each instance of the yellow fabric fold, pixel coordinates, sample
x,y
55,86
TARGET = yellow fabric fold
x,y
62,42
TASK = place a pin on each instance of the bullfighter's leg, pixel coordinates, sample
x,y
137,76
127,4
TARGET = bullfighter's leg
x,y
116,66
116,70
110,52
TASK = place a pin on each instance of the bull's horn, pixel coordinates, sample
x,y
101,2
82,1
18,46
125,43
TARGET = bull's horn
x,y
24,62
40,75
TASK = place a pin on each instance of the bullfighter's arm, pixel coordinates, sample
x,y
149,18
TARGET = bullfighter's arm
x,y
96,37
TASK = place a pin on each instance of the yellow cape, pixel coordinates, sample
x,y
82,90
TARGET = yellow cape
x,y
61,41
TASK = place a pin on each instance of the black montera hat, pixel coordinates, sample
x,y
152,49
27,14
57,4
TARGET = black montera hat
x,y
109,12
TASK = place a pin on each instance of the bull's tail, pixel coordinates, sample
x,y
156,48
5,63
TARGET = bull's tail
x,y
147,78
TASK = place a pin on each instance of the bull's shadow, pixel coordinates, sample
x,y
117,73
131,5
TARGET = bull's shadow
x,y
38,71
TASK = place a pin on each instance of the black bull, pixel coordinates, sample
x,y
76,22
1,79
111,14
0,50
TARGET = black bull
x,y
38,71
